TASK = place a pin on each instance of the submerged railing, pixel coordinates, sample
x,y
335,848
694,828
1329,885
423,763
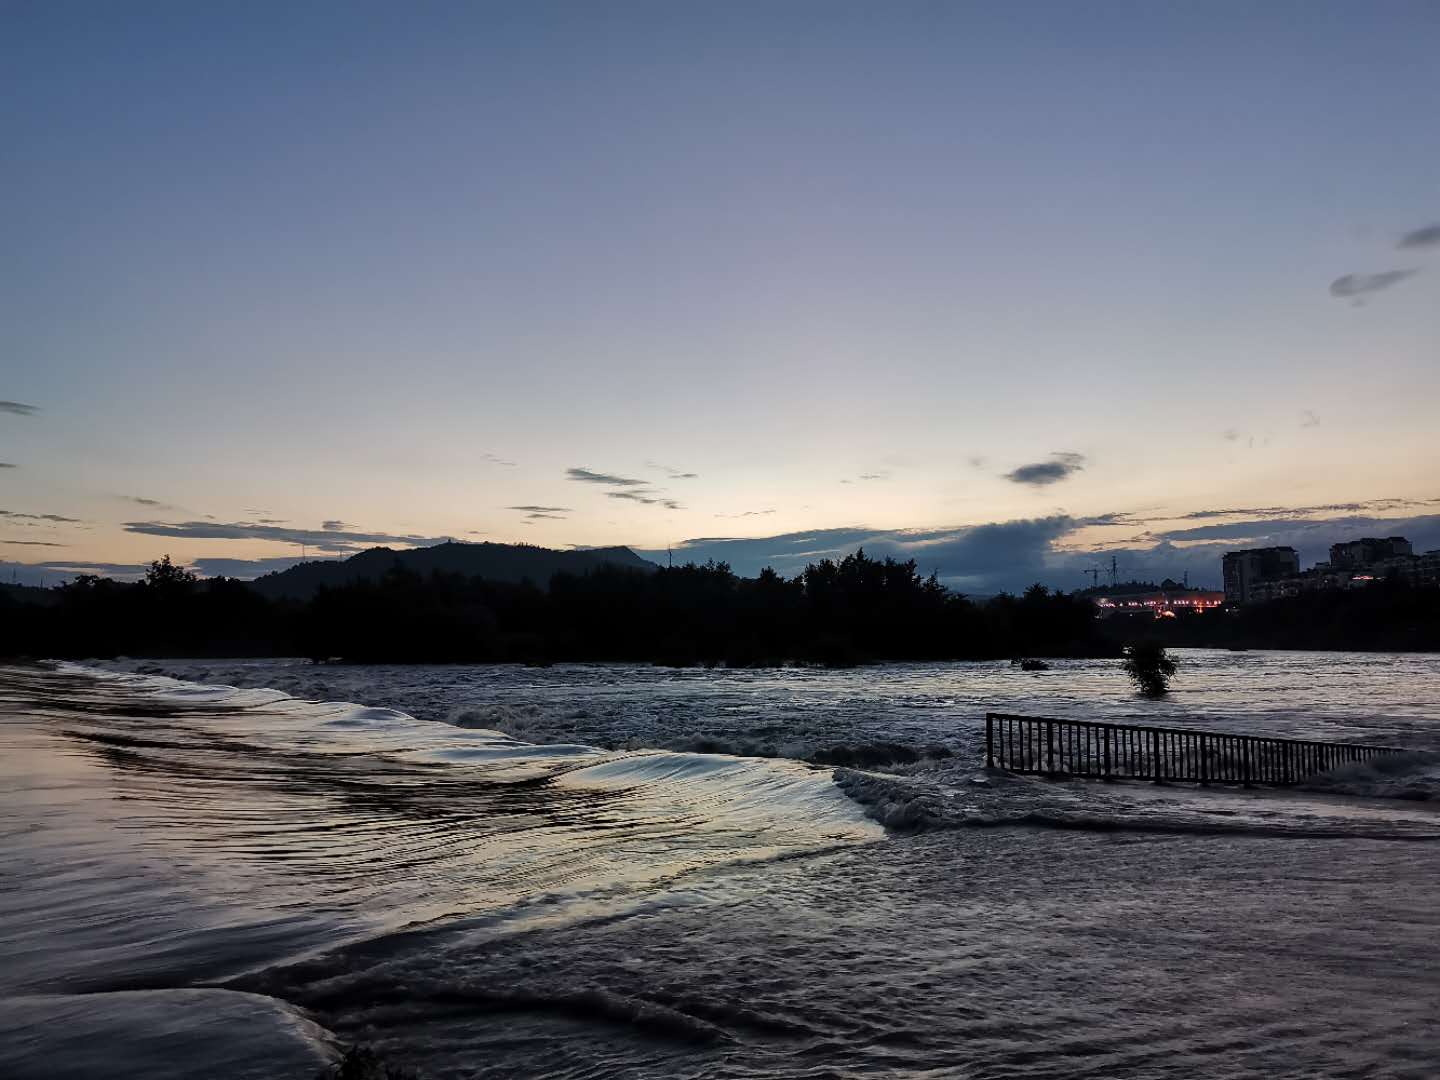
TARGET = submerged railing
x,y
1037,744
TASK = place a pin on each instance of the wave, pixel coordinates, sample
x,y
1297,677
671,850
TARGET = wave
x,y
1413,776
159,1034
246,826
990,798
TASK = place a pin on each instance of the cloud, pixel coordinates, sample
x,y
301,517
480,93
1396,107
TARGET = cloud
x,y
105,569
31,543
1309,419
671,471
7,465
1231,434
149,504
334,525
1310,537
246,568
649,498
1427,237
337,541
1358,286
586,476
495,459
542,513
1010,555
746,513
19,408
978,558
1059,467
51,519
1372,506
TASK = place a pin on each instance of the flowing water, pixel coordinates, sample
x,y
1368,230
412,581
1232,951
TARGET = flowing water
x,y
222,870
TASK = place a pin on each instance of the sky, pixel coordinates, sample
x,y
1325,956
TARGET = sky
x,y
1011,289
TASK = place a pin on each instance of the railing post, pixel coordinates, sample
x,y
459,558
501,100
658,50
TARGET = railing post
x,y
1050,746
1107,753
1204,770
1155,753
989,740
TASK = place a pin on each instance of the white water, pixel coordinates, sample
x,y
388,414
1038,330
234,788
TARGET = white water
x,y
477,904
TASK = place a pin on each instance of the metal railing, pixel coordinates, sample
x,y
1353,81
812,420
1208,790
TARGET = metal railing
x,y
1082,748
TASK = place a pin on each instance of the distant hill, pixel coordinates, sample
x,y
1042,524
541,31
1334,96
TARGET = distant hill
x,y
493,562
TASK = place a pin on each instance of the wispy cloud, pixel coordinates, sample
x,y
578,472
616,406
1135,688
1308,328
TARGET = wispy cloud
x,y
8,465
587,476
1368,506
31,543
746,513
543,513
1426,237
334,525
1042,473
496,459
672,472
649,498
18,408
337,541
1358,286
1309,419
149,504
105,569
51,519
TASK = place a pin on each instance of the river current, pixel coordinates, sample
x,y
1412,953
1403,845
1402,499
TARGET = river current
x,y
234,868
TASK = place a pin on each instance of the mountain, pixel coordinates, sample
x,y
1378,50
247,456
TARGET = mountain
x,y
494,562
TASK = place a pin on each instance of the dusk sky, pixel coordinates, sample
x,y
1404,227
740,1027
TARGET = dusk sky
x,y
1005,288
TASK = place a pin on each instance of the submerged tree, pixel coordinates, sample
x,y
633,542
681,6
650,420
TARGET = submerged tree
x,y
1150,666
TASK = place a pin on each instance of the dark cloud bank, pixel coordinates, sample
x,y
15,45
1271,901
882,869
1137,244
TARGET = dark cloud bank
x,y
1008,556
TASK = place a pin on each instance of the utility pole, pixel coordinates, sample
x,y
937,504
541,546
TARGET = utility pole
x,y
1114,572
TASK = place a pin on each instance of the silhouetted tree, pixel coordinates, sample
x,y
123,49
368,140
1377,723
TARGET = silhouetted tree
x,y
164,574
1150,667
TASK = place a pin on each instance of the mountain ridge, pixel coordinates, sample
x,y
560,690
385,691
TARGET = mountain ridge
x,y
514,563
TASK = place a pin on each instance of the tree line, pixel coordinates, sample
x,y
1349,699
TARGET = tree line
x,y
835,612
852,610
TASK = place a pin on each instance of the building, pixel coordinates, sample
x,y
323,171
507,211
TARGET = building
x,y
1160,603
1245,570
1258,575
1353,554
